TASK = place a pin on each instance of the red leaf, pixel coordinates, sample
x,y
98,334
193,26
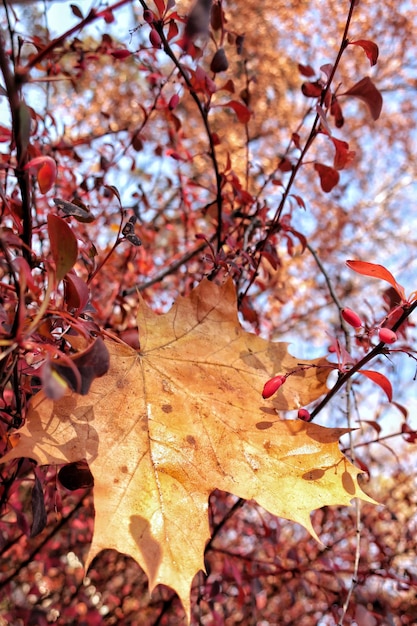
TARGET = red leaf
x,y
329,177
336,111
296,139
45,167
343,156
121,53
160,5
299,201
380,380
373,425
366,91
306,70
370,48
242,112
228,86
312,90
5,134
285,165
376,271
64,247
76,292
172,30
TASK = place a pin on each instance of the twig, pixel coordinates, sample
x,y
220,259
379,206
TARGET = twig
x,y
159,27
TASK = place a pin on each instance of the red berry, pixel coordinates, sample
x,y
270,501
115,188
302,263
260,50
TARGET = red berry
x,y
272,385
148,16
304,415
351,318
155,38
387,335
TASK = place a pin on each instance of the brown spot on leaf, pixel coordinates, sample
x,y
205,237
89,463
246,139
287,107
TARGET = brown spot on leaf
x,y
191,440
167,408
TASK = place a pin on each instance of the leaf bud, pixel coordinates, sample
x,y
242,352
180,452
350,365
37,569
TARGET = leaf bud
x,y
272,385
155,38
351,318
387,335
304,415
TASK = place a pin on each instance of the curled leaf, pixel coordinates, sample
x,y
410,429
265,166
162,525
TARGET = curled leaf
x,y
242,112
366,91
370,48
45,168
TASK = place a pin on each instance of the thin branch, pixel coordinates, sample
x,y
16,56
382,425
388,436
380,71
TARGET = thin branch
x,y
159,27
376,351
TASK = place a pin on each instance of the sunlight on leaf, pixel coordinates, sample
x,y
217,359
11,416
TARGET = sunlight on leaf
x,y
169,424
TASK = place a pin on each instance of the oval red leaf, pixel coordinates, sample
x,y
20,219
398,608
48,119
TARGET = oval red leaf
x,y
376,271
381,380
64,246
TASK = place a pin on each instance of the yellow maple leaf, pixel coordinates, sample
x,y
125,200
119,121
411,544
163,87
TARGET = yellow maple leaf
x,y
183,416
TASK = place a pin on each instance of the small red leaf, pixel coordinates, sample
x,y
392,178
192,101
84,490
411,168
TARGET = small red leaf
x,y
121,54
370,48
329,177
336,111
343,156
242,112
76,292
366,91
64,247
306,70
376,271
172,30
381,380
45,168
312,90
